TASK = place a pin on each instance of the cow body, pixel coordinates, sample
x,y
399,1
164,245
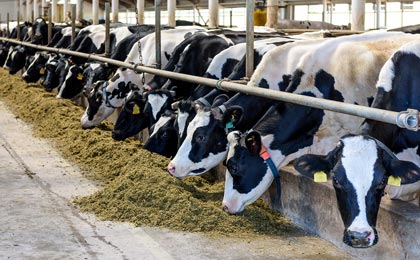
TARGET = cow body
x,y
288,130
118,86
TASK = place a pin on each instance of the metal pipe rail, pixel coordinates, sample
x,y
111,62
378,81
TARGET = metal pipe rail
x,y
405,119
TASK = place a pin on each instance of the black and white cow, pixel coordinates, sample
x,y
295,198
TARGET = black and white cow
x,y
241,108
56,70
117,87
161,132
342,69
192,56
397,89
74,83
36,69
360,167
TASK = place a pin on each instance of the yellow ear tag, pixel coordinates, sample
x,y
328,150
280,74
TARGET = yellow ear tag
x,y
136,109
394,181
79,76
42,71
320,177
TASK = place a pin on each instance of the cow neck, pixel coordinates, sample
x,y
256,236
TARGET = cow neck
x,y
265,155
105,95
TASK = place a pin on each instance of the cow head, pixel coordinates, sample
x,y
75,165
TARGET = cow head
x,y
114,95
132,118
17,59
73,83
360,168
56,70
164,137
93,72
248,175
40,31
204,147
36,69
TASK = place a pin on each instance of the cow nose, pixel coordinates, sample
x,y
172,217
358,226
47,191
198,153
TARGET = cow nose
x,y
225,209
171,169
359,239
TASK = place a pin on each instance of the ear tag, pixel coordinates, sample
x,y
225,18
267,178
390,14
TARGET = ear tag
x,y
42,71
79,76
320,177
229,125
394,181
136,109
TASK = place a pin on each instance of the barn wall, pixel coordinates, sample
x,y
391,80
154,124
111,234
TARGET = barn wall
x,y
8,6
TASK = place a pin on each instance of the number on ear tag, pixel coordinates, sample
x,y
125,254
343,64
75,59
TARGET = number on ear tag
x,y
136,109
320,177
42,71
79,76
394,181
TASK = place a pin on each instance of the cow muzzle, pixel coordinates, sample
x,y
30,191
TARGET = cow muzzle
x,y
361,239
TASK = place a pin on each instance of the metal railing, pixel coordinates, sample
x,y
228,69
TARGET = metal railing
x,y
405,119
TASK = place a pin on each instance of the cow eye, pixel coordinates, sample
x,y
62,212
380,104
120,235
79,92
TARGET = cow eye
x,y
233,169
201,138
336,183
165,135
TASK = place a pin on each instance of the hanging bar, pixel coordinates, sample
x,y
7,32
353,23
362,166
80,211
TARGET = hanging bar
x,y
107,28
73,23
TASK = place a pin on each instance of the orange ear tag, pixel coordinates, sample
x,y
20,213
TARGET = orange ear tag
x,y
320,177
79,76
264,154
394,181
42,71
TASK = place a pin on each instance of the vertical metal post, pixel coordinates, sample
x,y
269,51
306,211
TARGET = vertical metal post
x,y
250,5
115,9
49,24
140,11
79,11
107,12
35,8
213,13
358,15
18,26
8,24
378,14
95,11
324,11
385,14
230,18
66,10
272,13
73,23
157,34
193,14
171,12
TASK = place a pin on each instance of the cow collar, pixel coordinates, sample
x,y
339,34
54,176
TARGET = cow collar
x,y
276,174
105,96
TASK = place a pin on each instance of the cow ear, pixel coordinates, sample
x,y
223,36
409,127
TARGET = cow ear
x,y
407,171
232,117
253,143
309,164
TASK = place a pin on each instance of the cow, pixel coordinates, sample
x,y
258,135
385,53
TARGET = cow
x,y
56,70
314,25
396,91
101,71
191,56
36,69
118,86
161,132
240,109
94,43
360,167
288,130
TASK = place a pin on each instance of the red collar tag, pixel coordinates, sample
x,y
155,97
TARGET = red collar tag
x,y
264,153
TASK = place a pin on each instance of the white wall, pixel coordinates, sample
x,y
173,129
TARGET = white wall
x,y
8,6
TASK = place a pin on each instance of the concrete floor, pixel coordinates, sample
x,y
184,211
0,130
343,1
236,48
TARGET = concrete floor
x,y
38,221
